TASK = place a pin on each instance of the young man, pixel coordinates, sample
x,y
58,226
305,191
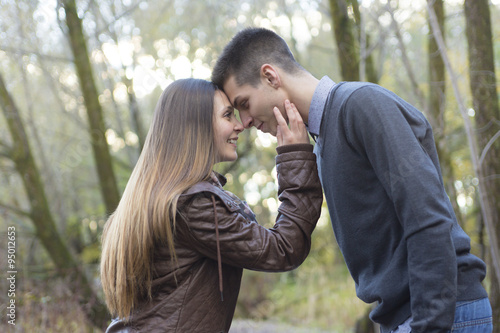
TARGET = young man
x,y
380,173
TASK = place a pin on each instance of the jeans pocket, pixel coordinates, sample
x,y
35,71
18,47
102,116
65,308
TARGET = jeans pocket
x,y
473,316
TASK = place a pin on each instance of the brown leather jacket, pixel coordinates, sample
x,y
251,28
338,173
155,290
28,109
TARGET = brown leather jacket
x,y
216,237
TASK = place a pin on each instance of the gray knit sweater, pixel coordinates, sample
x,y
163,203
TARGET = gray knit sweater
x,y
390,213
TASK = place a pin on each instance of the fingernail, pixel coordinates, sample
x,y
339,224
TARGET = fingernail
x,y
287,101
276,109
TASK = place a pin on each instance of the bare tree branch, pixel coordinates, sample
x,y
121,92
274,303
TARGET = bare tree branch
x,y
471,138
19,51
3,144
488,146
406,61
5,153
116,18
15,210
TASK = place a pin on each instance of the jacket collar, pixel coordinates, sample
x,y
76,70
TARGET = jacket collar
x,y
217,179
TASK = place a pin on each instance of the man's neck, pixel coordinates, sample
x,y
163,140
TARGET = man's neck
x,y
300,90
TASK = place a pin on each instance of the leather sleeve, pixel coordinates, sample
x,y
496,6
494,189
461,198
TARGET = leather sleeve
x,y
245,243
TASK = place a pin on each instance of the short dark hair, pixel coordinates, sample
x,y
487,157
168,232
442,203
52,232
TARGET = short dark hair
x,y
247,51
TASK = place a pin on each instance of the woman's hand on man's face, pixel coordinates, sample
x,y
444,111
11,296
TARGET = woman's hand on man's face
x,y
293,133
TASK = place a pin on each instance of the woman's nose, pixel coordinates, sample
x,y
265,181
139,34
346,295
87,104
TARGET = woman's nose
x,y
238,127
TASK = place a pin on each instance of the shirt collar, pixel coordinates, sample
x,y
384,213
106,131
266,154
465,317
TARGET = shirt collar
x,y
318,103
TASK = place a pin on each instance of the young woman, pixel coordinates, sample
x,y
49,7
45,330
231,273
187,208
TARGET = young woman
x,y
174,250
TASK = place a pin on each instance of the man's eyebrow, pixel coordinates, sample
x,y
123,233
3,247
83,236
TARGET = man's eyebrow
x,y
235,102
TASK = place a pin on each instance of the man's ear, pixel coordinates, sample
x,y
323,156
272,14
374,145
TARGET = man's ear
x,y
269,75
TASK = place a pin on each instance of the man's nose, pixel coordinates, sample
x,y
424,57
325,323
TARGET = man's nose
x,y
246,120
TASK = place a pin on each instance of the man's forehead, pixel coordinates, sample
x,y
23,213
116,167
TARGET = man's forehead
x,y
230,83
233,91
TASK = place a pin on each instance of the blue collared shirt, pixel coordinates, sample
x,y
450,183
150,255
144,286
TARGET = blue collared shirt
x,y
318,104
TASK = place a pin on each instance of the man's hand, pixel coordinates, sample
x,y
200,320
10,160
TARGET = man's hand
x,y
297,132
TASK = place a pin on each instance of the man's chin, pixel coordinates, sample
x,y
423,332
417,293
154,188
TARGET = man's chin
x,y
272,131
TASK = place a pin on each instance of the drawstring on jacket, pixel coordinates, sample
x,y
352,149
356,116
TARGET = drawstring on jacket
x,y
219,261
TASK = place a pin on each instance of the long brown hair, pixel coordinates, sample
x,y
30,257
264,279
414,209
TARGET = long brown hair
x,y
178,153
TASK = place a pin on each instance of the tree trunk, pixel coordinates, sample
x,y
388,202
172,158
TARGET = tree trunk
x,y
370,68
367,69
485,103
347,43
40,214
97,129
437,105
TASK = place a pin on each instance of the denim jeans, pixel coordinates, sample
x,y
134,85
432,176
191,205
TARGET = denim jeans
x,y
470,317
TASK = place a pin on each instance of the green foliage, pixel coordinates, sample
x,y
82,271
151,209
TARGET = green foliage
x,y
91,254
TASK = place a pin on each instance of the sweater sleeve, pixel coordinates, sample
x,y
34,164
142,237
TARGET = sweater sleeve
x,y
397,141
245,243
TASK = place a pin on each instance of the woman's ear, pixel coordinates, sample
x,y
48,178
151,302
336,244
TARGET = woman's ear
x,y
270,76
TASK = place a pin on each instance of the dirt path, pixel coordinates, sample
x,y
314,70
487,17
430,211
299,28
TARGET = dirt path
x,y
248,326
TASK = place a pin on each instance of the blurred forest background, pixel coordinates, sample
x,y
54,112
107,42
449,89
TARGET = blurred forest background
x,y
79,80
